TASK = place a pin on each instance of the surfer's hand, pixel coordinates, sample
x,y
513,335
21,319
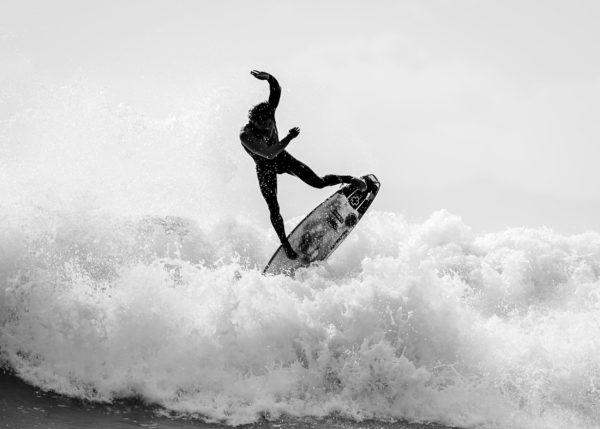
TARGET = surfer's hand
x,y
260,75
293,133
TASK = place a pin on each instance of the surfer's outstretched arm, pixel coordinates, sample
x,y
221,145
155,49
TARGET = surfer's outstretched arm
x,y
274,88
259,146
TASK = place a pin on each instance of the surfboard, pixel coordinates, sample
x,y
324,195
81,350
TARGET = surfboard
x,y
317,236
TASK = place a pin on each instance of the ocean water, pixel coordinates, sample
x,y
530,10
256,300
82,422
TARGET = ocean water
x,y
125,273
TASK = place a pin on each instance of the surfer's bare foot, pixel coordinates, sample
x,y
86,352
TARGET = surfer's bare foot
x,y
359,183
289,252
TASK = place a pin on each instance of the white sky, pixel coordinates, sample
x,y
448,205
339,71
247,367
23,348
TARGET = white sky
x,y
446,100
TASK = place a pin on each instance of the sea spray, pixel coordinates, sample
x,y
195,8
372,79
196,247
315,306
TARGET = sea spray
x,y
128,269
431,326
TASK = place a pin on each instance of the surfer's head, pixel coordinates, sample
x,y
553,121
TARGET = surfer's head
x,y
262,116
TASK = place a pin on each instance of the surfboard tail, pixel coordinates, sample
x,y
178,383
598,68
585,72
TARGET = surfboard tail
x,y
373,184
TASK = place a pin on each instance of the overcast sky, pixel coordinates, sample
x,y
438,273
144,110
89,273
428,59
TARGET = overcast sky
x,y
452,100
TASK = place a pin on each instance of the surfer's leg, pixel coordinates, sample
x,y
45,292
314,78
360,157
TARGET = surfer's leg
x,y
304,173
267,180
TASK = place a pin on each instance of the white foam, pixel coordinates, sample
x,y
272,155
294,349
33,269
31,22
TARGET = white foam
x,y
436,325
103,296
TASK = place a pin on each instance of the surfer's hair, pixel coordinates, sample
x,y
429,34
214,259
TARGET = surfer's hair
x,y
260,111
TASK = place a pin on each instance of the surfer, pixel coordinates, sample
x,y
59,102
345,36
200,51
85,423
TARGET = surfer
x,y
261,140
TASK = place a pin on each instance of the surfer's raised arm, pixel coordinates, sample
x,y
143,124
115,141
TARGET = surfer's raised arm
x,y
259,145
274,88
260,139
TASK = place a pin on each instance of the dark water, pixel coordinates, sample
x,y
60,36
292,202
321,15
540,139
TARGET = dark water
x,y
25,407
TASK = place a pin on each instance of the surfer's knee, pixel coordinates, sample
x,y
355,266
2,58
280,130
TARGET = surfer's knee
x,y
330,180
319,182
277,222
273,207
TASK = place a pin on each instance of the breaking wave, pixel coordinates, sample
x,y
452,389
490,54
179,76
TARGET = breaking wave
x,y
417,322
124,274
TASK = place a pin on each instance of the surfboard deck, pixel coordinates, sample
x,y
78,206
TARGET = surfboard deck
x,y
317,236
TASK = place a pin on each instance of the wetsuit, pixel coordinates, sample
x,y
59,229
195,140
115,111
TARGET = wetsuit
x,y
268,169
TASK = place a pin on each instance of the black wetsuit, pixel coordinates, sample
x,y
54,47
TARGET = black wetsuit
x,y
268,169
